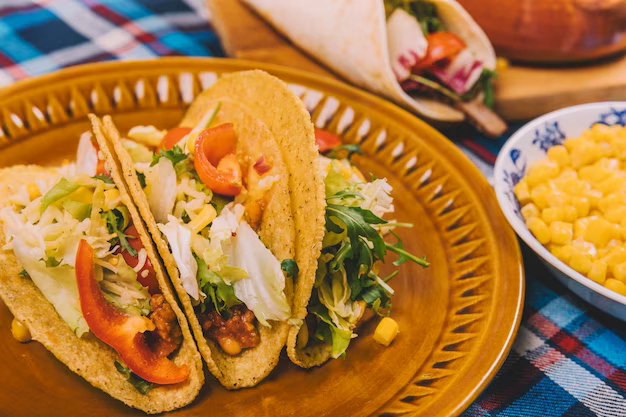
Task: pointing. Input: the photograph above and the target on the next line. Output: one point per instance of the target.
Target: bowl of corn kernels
(561, 182)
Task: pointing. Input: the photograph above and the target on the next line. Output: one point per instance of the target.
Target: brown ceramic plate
(458, 318)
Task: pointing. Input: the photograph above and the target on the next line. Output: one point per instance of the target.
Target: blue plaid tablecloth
(569, 359)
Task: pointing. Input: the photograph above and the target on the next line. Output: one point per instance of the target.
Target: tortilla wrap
(88, 356)
(350, 36)
(263, 117)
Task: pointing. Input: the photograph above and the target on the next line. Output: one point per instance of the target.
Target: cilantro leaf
(140, 384)
(116, 222)
(344, 151)
(290, 267)
(175, 155)
(105, 179)
(24, 273)
(142, 179)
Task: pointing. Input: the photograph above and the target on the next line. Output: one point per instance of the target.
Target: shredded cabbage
(179, 238)
(137, 151)
(263, 290)
(161, 189)
(86, 156)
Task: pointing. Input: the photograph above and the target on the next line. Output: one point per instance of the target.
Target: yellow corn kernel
(593, 173)
(555, 250)
(82, 194)
(568, 174)
(559, 155)
(565, 253)
(502, 64)
(206, 216)
(521, 192)
(33, 191)
(530, 210)
(598, 232)
(552, 214)
(539, 195)
(572, 143)
(386, 331)
(582, 205)
(598, 272)
(570, 214)
(612, 201)
(580, 226)
(615, 256)
(574, 186)
(619, 271)
(561, 233)
(19, 331)
(538, 228)
(616, 286)
(581, 262)
(111, 197)
(619, 147)
(611, 184)
(541, 172)
(594, 197)
(557, 199)
(584, 154)
(602, 133)
(616, 214)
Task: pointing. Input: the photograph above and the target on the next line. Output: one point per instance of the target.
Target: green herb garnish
(290, 267)
(142, 179)
(117, 220)
(140, 384)
(344, 151)
(175, 155)
(103, 178)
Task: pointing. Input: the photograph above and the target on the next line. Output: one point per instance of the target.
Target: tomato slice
(215, 161)
(122, 332)
(325, 140)
(100, 170)
(441, 45)
(149, 280)
(172, 137)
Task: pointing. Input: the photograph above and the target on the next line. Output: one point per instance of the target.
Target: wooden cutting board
(521, 92)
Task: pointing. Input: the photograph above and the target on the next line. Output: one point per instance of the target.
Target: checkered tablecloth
(569, 359)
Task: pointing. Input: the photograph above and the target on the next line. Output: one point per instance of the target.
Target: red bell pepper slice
(172, 137)
(215, 161)
(149, 280)
(441, 45)
(122, 332)
(325, 140)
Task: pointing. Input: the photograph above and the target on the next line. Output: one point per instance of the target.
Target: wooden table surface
(521, 92)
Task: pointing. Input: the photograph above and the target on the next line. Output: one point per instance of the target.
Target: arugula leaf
(357, 222)
(290, 267)
(116, 222)
(62, 189)
(403, 255)
(140, 384)
(142, 179)
(105, 179)
(344, 151)
(175, 155)
(24, 273)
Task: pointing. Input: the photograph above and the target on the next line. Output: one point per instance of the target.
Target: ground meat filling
(233, 330)
(167, 336)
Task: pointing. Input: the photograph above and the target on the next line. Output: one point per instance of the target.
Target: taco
(429, 56)
(216, 196)
(81, 273)
(346, 282)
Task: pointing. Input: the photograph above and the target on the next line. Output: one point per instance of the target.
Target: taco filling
(429, 60)
(347, 280)
(76, 240)
(208, 202)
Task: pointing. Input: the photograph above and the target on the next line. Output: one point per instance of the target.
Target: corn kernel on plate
(561, 183)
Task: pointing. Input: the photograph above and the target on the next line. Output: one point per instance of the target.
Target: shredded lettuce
(263, 290)
(121, 288)
(179, 238)
(161, 189)
(79, 210)
(137, 151)
(219, 293)
(62, 189)
(57, 284)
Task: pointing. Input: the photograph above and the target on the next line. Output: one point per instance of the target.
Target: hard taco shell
(87, 356)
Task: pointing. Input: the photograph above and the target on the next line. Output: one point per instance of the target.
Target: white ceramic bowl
(529, 144)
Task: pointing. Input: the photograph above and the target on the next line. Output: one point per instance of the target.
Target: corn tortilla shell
(270, 100)
(276, 231)
(87, 356)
